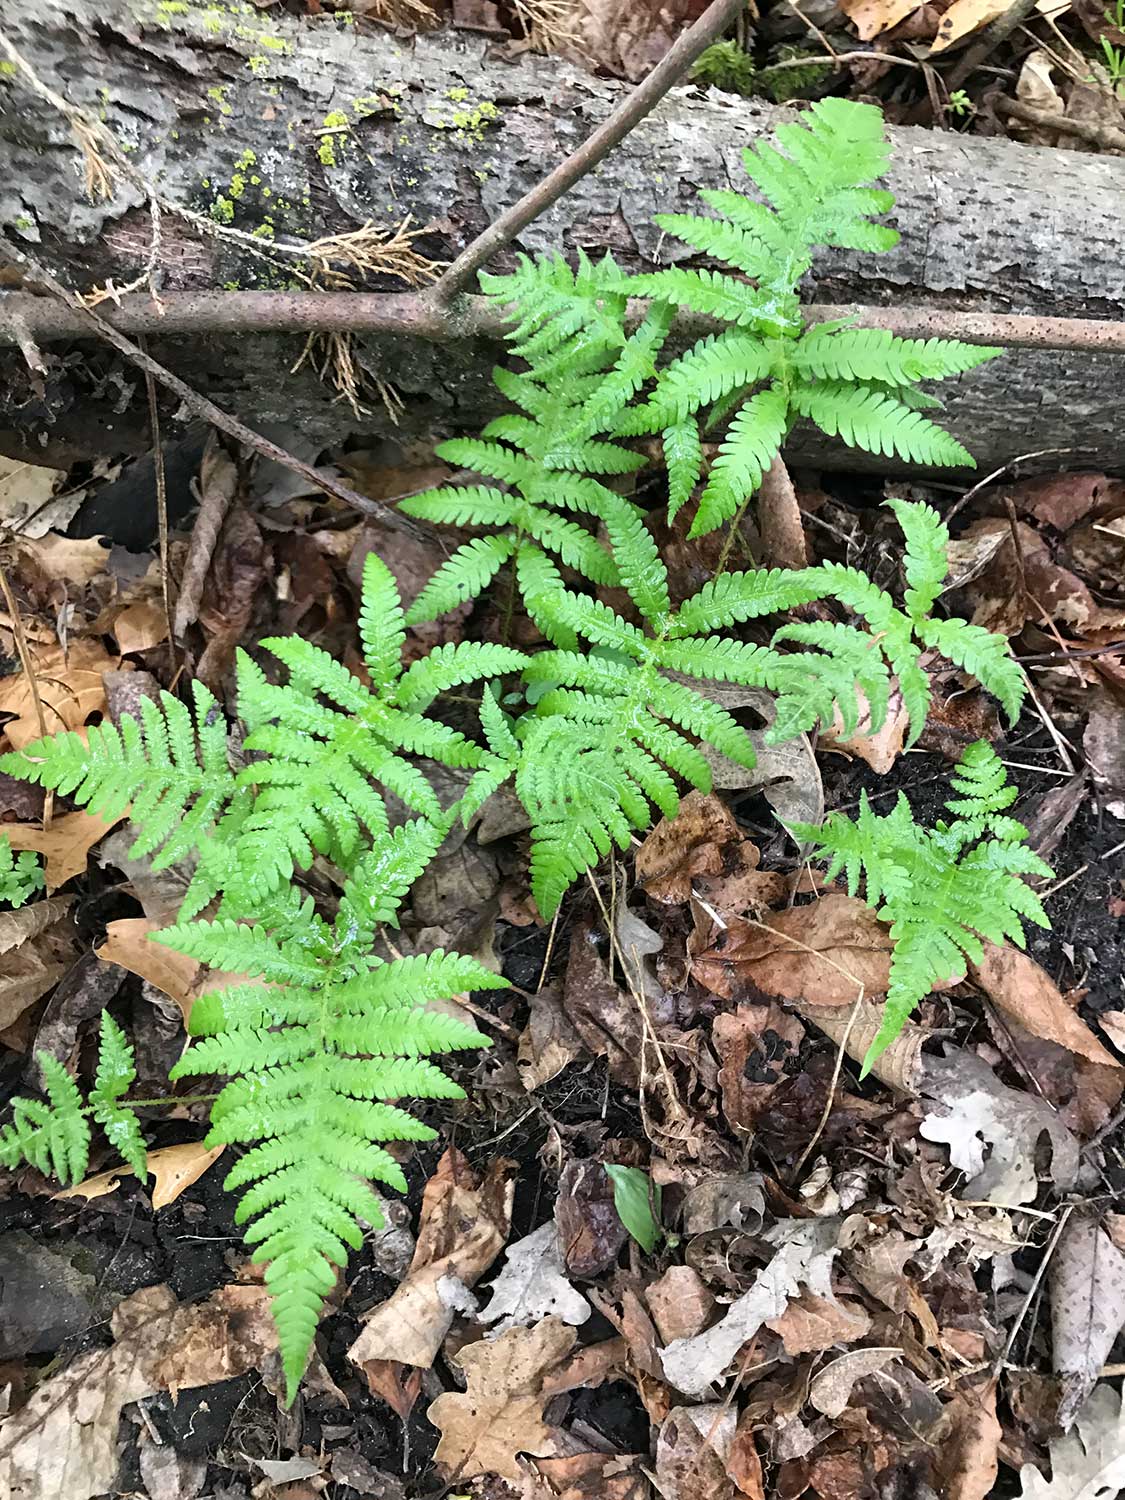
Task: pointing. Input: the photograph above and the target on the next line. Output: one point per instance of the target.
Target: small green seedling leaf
(637, 1201)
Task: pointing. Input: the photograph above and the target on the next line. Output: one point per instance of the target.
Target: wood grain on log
(227, 108)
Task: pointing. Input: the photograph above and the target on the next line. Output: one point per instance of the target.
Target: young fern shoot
(943, 890)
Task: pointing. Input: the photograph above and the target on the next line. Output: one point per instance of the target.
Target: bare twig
(96, 323)
(218, 482)
(1052, 1245)
(1106, 136)
(630, 112)
(161, 512)
(416, 315)
(28, 666)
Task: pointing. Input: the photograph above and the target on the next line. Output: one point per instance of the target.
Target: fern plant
(54, 1136)
(941, 889)
(763, 372)
(21, 875)
(313, 1051)
(320, 750)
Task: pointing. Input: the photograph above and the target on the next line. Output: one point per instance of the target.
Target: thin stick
(29, 672)
(197, 403)
(1052, 1245)
(161, 510)
(1106, 136)
(416, 315)
(831, 1100)
(629, 113)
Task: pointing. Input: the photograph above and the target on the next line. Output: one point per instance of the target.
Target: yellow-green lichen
(7, 69)
(222, 210)
(218, 94)
(468, 123)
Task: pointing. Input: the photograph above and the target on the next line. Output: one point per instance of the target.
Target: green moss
(726, 66)
(791, 83)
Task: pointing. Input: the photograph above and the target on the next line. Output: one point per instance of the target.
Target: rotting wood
(988, 225)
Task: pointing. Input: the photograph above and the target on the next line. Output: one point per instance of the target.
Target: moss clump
(781, 84)
(725, 66)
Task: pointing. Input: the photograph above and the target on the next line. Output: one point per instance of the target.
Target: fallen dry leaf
(1089, 1462)
(1112, 1023)
(851, 954)
(532, 1285)
(70, 691)
(969, 1459)
(464, 1224)
(399, 1385)
(549, 1041)
(64, 1441)
(1087, 1282)
(140, 626)
(583, 1476)
(880, 748)
(500, 1413)
(64, 845)
(127, 942)
(175, 1168)
(964, 17)
(680, 1302)
(872, 17)
(703, 851)
(806, 1250)
(27, 922)
(625, 38)
(29, 500)
(591, 1233)
(831, 1387)
(973, 1111)
(898, 1067)
(810, 1324)
(691, 1451)
(754, 1043)
(1019, 987)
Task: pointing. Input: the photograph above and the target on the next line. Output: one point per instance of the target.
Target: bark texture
(236, 113)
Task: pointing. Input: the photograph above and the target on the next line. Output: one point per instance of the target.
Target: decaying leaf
(702, 851)
(127, 942)
(533, 1285)
(1023, 990)
(680, 1303)
(549, 1041)
(899, 1067)
(64, 1441)
(27, 922)
(851, 954)
(978, 1117)
(691, 1451)
(591, 1233)
(1089, 1462)
(757, 1045)
(872, 17)
(70, 691)
(1087, 1282)
(464, 1224)
(969, 1459)
(879, 748)
(175, 1168)
(964, 17)
(500, 1413)
(806, 1250)
(811, 1324)
(831, 1387)
(64, 845)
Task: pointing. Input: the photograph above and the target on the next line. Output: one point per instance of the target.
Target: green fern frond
(734, 597)
(463, 576)
(866, 417)
(382, 628)
(169, 770)
(713, 294)
(926, 563)
(53, 1136)
(21, 875)
(738, 246)
(983, 653)
(712, 369)
(750, 446)
(453, 666)
(683, 459)
(309, 1061)
(940, 896)
(556, 303)
(637, 559)
(470, 505)
(874, 354)
(116, 1073)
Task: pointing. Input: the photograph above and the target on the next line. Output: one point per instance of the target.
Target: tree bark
(235, 113)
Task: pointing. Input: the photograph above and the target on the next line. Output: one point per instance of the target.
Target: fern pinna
(942, 889)
(762, 372)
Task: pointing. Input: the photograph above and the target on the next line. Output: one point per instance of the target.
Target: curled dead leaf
(127, 942)
(64, 845)
(174, 1169)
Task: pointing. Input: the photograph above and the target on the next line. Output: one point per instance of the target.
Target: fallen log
(288, 129)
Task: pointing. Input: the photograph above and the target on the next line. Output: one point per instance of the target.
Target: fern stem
(732, 532)
(170, 1099)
